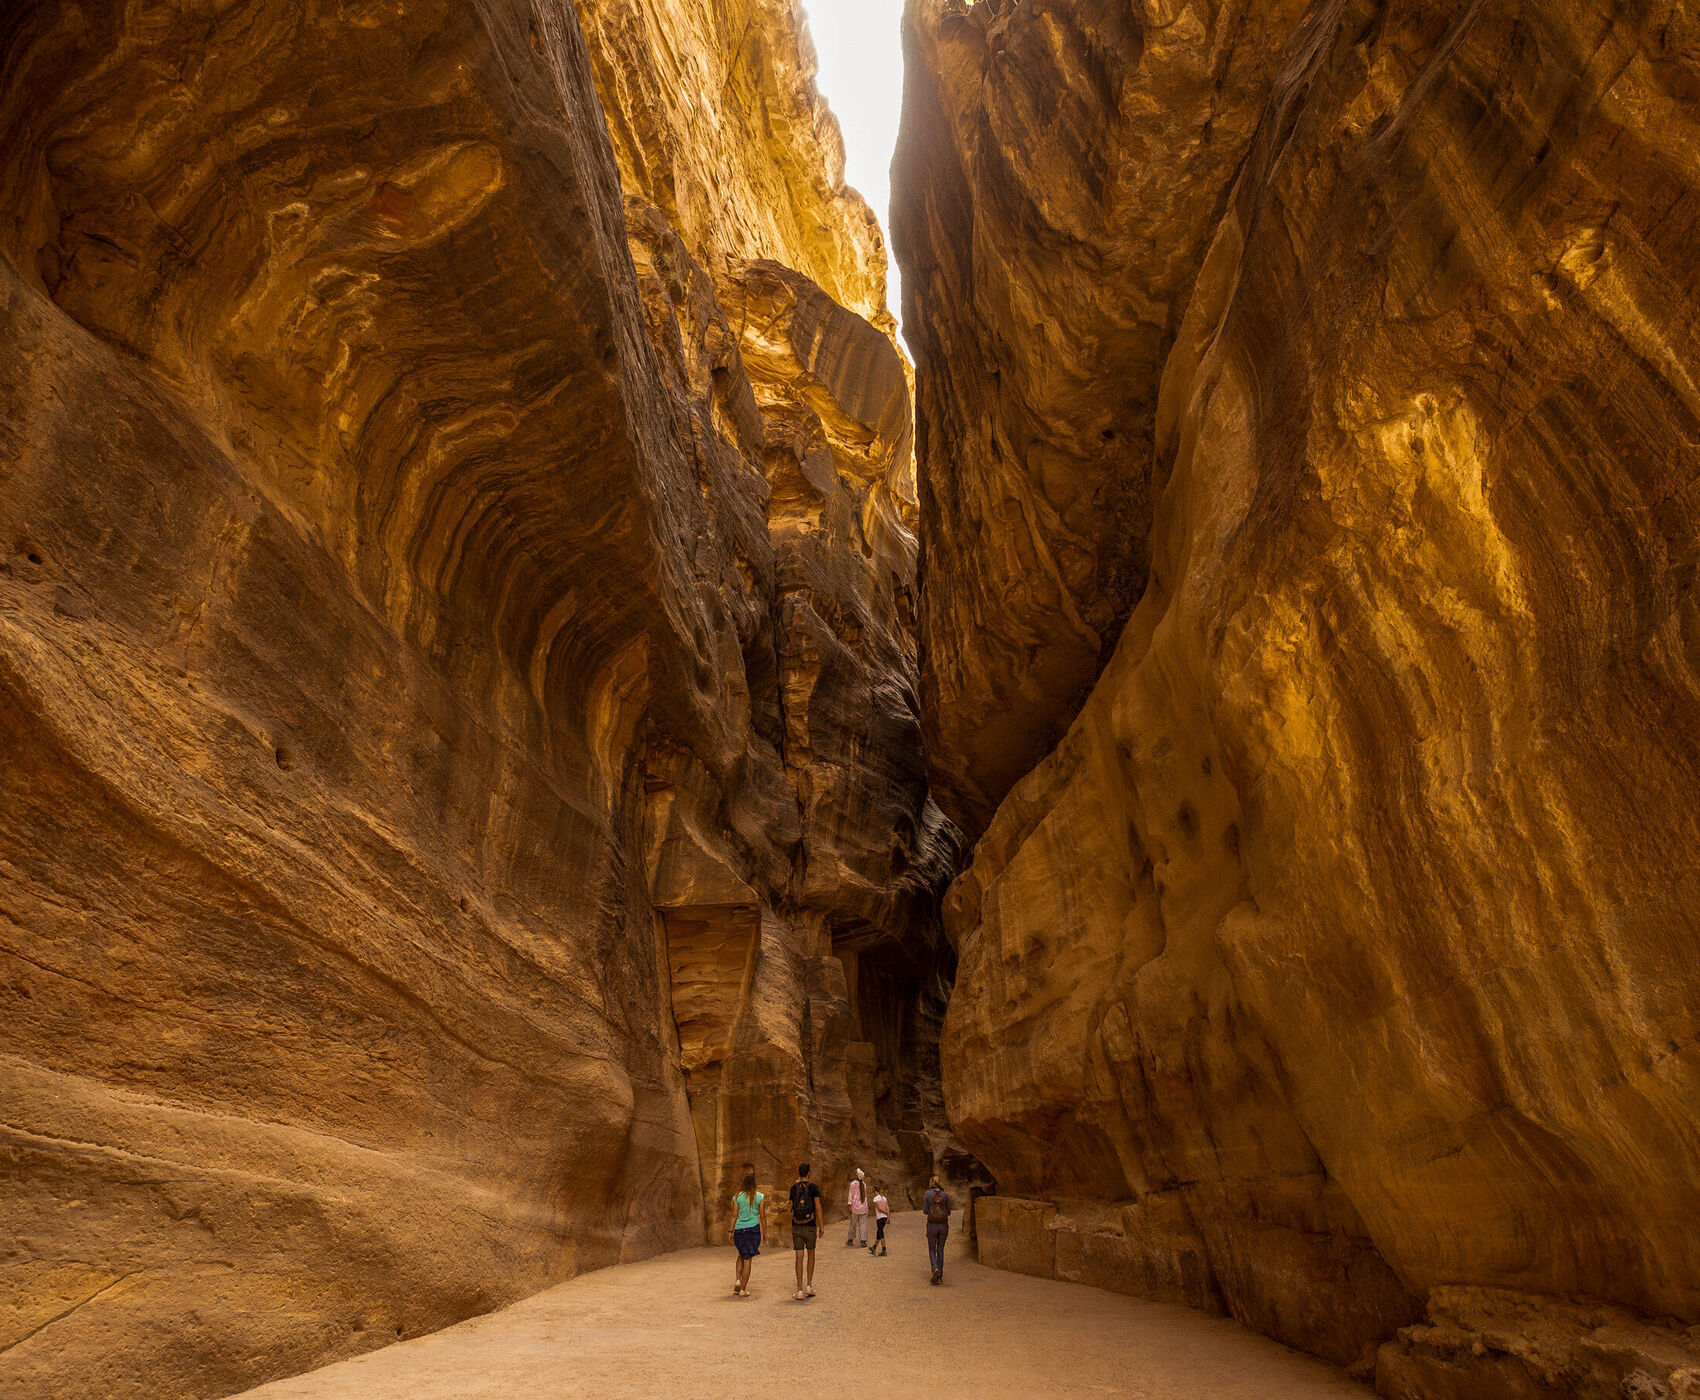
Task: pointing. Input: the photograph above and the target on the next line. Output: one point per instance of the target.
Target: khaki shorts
(803, 1236)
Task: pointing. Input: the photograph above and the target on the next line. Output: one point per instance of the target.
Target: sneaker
(810, 1290)
(798, 1294)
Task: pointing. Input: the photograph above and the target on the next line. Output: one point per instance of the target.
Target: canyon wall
(1059, 172)
(460, 785)
(1335, 968)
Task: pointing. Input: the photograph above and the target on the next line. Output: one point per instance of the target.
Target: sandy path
(877, 1330)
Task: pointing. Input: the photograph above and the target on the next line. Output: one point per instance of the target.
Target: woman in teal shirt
(748, 1230)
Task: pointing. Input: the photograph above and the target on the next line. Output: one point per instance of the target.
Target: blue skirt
(748, 1241)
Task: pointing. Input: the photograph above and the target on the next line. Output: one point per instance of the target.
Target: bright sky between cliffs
(861, 77)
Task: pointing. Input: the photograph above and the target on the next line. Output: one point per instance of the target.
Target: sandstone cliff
(1335, 968)
(715, 120)
(1059, 176)
(460, 788)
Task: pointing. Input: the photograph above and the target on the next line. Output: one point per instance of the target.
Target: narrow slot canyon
(527, 692)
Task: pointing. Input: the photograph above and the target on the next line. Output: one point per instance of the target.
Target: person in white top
(858, 1209)
(882, 1213)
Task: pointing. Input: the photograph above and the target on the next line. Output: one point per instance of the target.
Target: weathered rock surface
(1063, 167)
(460, 788)
(787, 1053)
(715, 120)
(1344, 941)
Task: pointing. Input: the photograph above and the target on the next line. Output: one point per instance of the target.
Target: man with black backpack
(936, 1205)
(805, 1227)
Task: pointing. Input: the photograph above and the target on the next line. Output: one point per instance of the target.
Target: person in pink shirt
(858, 1209)
(882, 1213)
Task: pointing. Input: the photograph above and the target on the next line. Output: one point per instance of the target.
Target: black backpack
(803, 1203)
(938, 1208)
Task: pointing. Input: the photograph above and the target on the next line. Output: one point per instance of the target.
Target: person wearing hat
(936, 1204)
(858, 1210)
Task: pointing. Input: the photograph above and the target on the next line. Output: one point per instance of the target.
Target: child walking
(882, 1212)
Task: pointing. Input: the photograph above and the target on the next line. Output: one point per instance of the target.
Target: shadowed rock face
(1064, 164)
(460, 785)
(1335, 967)
(789, 1058)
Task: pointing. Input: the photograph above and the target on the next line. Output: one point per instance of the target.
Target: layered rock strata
(460, 789)
(1062, 168)
(1333, 968)
(715, 120)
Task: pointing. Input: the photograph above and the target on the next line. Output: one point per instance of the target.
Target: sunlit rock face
(460, 785)
(1062, 166)
(763, 279)
(715, 120)
(1336, 966)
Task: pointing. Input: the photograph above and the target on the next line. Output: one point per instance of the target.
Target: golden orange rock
(1059, 175)
(1334, 967)
(715, 120)
(460, 784)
